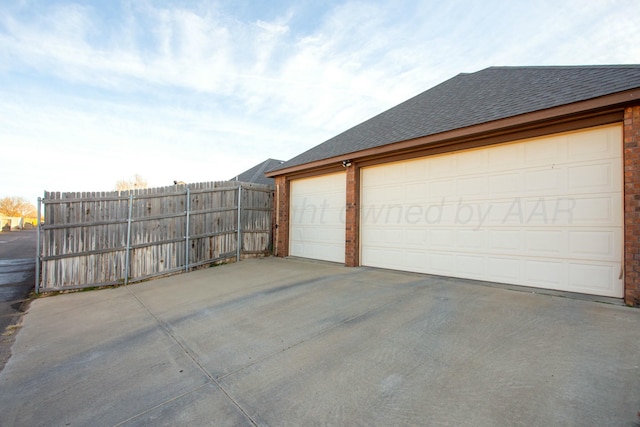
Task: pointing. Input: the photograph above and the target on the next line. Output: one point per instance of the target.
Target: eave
(592, 112)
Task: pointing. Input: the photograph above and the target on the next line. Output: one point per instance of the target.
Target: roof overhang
(592, 112)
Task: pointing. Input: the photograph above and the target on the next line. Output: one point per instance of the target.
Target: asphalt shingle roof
(475, 98)
(256, 173)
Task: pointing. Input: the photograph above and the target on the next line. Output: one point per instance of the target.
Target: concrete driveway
(289, 342)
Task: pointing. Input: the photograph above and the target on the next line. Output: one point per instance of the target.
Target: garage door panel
(595, 177)
(600, 210)
(545, 242)
(598, 144)
(418, 238)
(416, 171)
(415, 191)
(296, 234)
(442, 238)
(396, 178)
(470, 266)
(472, 186)
(549, 273)
(505, 212)
(505, 157)
(441, 166)
(333, 201)
(308, 215)
(325, 252)
(373, 235)
(592, 278)
(379, 257)
(525, 213)
(392, 237)
(505, 240)
(539, 212)
(455, 213)
(414, 259)
(391, 193)
(296, 247)
(544, 180)
(442, 263)
(596, 244)
(322, 234)
(471, 239)
(471, 161)
(546, 151)
(436, 190)
(507, 270)
(317, 250)
(395, 258)
(505, 184)
(317, 217)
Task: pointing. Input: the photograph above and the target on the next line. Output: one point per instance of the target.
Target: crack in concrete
(160, 405)
(191, 355)
(364, 314)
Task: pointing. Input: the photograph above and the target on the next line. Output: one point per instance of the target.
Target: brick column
(352, 226)
(281, 206)
(632, 206)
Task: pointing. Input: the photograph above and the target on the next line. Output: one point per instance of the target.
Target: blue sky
(92, 92)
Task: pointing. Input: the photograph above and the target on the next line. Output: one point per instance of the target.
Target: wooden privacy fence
(99, 239)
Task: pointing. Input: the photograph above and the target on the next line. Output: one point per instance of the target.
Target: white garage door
(317, 217)
(544, 212)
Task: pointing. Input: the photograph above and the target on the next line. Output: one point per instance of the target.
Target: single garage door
(544, 212)
(317, 217)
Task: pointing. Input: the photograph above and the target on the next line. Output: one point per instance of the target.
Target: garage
(317, 221)
(544, 212)
(518, 175)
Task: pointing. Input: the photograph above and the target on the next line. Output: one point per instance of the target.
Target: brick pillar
(632, 206)
(352, 226)
(274, 221)
(281, 205)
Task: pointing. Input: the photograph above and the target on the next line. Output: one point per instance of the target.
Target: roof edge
(540, 117)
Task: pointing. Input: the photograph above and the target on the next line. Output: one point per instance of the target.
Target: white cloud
(205, 94)
(272, 27)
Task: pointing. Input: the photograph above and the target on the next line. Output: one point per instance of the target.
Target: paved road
(17, 275)
(288, 342)
(18, 244)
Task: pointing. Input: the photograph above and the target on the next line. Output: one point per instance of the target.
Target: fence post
(186, 239)
(38, 257)
(239, 238)
(127, 255)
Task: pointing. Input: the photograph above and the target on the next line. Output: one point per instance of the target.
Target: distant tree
(134, 183)
(17, 206)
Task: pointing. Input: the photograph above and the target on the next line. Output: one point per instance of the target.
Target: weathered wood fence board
(97, 239)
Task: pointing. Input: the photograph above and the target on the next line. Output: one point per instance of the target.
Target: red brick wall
(352, 227)
(632, 205)
(281, 203)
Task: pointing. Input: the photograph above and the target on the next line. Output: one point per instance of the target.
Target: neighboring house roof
(475, 98)
(256, 173)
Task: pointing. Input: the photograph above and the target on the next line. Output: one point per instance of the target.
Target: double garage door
(544, 212)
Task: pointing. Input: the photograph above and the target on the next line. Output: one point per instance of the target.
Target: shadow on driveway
(291, 342)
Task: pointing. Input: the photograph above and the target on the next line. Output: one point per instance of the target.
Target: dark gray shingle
(256, 173)
(475, 98)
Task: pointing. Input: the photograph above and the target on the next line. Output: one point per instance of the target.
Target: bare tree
(134, 183)
(17, 207)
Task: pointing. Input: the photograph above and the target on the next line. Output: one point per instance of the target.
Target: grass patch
(10, 330)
